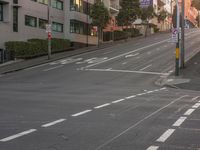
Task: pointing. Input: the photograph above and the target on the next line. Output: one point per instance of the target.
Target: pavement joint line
(139, 122)
(165, 135)
(117, 101)
(53, 123)
(189, 112)
(153, 148)
(196, 106)
(81, 113)
(101, 106)
(18, 135)
(179, 121)
(53, 68)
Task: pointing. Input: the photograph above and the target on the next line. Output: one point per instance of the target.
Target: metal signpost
(48, 29)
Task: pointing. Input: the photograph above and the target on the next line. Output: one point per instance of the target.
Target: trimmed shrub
(132, 32)
(35, 47)
(120, 35)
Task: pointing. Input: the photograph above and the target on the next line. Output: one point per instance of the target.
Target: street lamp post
(177, 70)
(49, 29)
(183, 35)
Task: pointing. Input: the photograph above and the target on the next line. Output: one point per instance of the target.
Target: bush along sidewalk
(35, 47)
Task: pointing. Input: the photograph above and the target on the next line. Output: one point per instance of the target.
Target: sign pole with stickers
(177, 69)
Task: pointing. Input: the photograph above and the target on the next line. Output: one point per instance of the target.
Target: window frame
(56, 24)
(35, 18)
(56, 2)
(39, 23)
(1, 12)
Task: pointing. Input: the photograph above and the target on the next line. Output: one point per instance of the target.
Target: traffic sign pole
(48, 28)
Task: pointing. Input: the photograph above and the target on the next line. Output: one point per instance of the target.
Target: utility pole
(177, 69)
(183, 35)
(49, 29)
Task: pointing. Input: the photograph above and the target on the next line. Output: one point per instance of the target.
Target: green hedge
(35, 47)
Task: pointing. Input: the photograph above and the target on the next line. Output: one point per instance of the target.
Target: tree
(196, 4)
(147, 13)
(100, 16)
(162, 16)
(128, 13)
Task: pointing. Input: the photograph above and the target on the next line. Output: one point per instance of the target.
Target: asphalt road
(102, 100)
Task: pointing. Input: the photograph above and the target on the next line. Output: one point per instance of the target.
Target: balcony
(114, 8)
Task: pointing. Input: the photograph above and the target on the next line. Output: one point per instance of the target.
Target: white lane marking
(179, 121)
(17, 135)
(81, 113)
(153, 148)
(34, 67)
(117, 101)
(189, 112)
(124, 54)
(109, 69)
(195, 98)
(165, 135)
(129, 97)
(128, 71)
(131, 55)
(124, 63)
(139, 122)
(101, 106)
(56, 67)
(145, 67)
(141, 94)
(149, 92)
(163, 88)
(53, 123)
(196, 105)
(107, 52)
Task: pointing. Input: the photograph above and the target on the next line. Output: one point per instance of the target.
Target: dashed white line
(150, 92)
(117, 101)
(163, 88)
(196, 105)
(141, 94)
(53, 123)
(145, 67)
(129, 97)
(17, 135)
(153, 148)
(189, 112)
(81, 113)
(195, 98)
(165, 135)
(53, 68)
(179, 121)
(101, 106)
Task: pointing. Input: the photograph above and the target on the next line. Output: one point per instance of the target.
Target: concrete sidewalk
(189, 76)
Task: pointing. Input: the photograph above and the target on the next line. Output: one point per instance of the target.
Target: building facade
(26, 19)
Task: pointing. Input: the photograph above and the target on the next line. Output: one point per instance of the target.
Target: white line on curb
(165, 135)
(179, 121)
(53, 123)
(81, 113)
(18, 135)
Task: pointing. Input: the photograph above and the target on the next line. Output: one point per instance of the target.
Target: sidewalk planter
(35, 47)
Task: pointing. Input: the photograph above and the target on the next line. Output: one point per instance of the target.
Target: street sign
(174, 35)
(48, 28)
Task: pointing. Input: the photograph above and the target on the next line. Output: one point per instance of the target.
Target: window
(30, 21)
(57, 27)
(15, 1)
(80, 6)
(1, 12)
(15, 19)
(34, 0)
(57, 4)
(80, 27)
(43, 1)
(42, 23)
